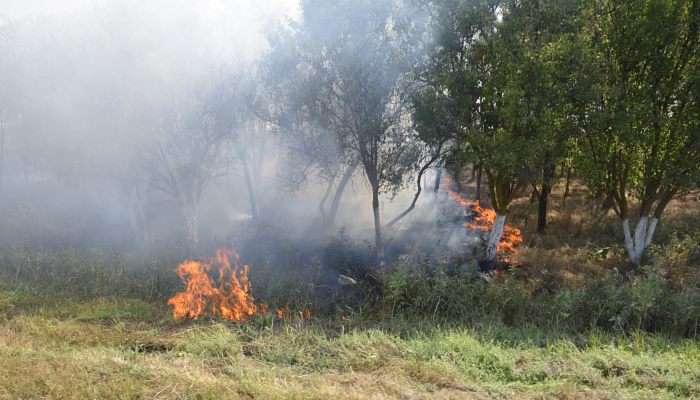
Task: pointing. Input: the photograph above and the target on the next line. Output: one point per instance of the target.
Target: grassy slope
(126, 349)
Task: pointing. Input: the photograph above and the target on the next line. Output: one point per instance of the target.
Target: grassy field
(568, 323)
(120, 348)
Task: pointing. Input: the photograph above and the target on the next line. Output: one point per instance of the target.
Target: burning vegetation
(482, 219)
(230, 297)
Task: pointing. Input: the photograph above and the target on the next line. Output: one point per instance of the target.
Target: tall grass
(647, 302)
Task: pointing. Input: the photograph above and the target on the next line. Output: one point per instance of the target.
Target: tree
(541, 64)
(477, 66)
(357, 68)
(232, 106)
(645, 143)
(290, 104)
(186, 154)
(431, 115)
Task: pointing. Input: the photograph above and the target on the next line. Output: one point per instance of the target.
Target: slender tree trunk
(542, 208)
(495, 237)
(378, 242)
(335, 204)
(438, 177)
(650, 232)
(566, 188)
(321, 203)
(192, 224)
(137, 217)
(478, 185)
(249, 187)
(547, 176)
(608, 203)
(419, 187)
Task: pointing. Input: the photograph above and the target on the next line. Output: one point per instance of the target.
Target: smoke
(110, 137)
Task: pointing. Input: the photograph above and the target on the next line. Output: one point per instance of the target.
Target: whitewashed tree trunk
(643, 234)
(495, 237)
(650, 231)
(629, 242)
(639, 238)
(192, 223)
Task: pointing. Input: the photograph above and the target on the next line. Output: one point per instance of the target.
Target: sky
(21, 8)
(227, 31)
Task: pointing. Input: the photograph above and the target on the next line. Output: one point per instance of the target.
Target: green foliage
(641, 137)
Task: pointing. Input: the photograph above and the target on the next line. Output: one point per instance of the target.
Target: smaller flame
(483, 219)
(283, 312)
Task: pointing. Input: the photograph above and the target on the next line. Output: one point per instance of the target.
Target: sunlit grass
(125, 349)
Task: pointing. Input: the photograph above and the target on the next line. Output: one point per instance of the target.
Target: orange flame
(483, 220)
(284, 312)
(232, 298)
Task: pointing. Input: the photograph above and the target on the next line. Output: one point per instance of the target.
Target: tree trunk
(629, 242)
(378, 242)
(650, 232)
(137, 217)
(643, 234)
(438, 177)
(249, 187)
(547, 176)
(335, 204)
(608, 203)
(419, 187)
(566, 188)
(191, 221)
(321, 203)
(542, 209)
(495, 237)
(478, 185)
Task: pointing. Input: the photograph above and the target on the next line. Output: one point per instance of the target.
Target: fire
(283, 312)
(483, 219)
(231, 297)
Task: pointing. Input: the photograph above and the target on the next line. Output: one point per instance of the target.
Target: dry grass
(583, 243)
(77, 352)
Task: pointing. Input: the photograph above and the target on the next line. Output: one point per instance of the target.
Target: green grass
(121, 348)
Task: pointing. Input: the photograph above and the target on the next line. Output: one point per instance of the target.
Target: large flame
(482, 219)
(231, 298)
